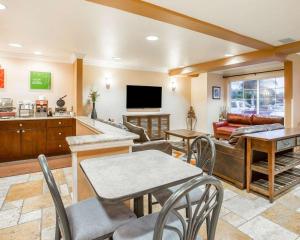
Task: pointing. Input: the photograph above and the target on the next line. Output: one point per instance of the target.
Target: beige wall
(207, 109)
(296, 87)
(17, 80)
(112, 102)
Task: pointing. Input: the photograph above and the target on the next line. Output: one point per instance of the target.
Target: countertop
(107, 133)
(34, 118)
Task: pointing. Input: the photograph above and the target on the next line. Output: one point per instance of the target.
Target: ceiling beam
(268, 55)
(158, 13)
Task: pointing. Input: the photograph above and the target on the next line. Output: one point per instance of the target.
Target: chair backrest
(207, 209)
(203, 150)
(59, 206)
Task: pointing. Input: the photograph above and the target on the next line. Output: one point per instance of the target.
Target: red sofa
(225, 128)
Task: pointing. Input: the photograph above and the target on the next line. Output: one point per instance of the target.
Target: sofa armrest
(160, 145)
(220, 124)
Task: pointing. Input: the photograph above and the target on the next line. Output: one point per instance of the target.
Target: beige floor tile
(31, 216)
(9, 218)
(225, 231)
(234, 219)
(290, 201)
(284, 216)
(36, 176)
(260, 228)
(1, 201)
(26, 231)
(8, 181)
(48, 217)
(228, 194)
(224, 211)
(59, 176)
(3, 191)
(38, 202)
(24, 190)
(14, 204)
(42, 201)
(48, 233)
(64, 190)
(247, 208)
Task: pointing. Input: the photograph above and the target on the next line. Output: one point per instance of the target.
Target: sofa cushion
(239, 118)
(237, 125)
(235, 136)
(260, 119)
(226, 130)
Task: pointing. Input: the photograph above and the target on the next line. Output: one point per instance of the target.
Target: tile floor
(27, 212)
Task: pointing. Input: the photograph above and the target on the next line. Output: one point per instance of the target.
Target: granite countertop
(34, 118)
(107, 133)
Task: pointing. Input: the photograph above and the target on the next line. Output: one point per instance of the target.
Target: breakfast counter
(94, 139)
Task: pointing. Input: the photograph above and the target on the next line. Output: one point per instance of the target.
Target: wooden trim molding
(288, 93)
(268, 55)
(165, 15)
(78, 86)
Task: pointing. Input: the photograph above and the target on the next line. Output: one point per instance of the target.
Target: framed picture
(40, 80)
(216, 92)
(1, 78)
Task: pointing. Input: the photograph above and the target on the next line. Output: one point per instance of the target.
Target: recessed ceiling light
(2, 7)
(229, 55)
(37, 53)
(16, 45)
(152, 38)
(116, 58)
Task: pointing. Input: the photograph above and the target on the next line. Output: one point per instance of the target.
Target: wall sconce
(107, 82)
(173, 84)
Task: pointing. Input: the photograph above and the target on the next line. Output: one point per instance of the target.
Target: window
(264, 97)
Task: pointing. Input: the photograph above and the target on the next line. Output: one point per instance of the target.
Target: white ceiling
(265, 20)
(60, 28)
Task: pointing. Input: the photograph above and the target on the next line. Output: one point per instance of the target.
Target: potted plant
(93, 96)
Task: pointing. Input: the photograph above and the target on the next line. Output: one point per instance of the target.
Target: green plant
(94, 95)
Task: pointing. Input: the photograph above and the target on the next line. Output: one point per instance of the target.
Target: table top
(275, 135)
(184, 133)
(131, 175)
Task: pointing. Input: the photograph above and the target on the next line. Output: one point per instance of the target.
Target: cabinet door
(33, 143)
(10, 145)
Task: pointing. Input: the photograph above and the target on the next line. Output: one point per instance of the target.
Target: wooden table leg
(248, 164)
(188, 146)
(271, 165)
(138, 207)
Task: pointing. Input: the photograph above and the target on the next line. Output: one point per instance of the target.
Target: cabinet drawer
(286, 144)
(57, 147)
(25, 124)
(298, 141)
(59, 133)
(60, 122)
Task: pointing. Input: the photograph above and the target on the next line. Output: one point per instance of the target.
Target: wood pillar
(288, 92)
(78, 83)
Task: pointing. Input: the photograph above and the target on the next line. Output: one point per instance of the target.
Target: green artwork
(40, 80)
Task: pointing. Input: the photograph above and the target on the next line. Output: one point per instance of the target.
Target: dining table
(122, 177)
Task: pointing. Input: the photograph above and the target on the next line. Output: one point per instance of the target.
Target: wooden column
(78, 83)
(288, 92)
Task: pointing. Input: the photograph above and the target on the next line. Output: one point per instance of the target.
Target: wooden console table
(272, 162)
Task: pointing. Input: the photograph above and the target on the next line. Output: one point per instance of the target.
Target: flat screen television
(143, 97)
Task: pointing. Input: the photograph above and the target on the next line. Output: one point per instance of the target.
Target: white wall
(17, 80)
(112, 102)
(207, 109)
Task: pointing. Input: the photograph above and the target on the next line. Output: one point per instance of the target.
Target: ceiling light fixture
(152, 38)
(229, 55)
(16, 45)
(37, 53)
(2, 7)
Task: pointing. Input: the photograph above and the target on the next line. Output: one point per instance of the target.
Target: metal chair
(169, 224)
(204, 152)
(86, 220)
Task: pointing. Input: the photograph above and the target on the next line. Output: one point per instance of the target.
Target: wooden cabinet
(155, 124)
(27, 139)
(10, 145)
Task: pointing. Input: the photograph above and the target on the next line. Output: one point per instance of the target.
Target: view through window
(264, 97)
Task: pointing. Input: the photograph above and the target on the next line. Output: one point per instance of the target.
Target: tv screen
(143, 97)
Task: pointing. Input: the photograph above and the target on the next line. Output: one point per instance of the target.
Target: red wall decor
(1, 78)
